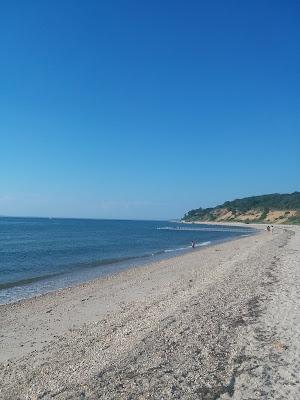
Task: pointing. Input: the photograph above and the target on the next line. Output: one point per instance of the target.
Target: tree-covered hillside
(276, 208)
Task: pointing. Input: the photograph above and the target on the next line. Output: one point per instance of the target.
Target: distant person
(193, 244)
(268, 228)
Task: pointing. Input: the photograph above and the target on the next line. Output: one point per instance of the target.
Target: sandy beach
(222, 322)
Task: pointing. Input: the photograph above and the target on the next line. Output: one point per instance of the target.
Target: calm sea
(38, 255)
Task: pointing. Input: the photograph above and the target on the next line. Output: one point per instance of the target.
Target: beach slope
(220, 322)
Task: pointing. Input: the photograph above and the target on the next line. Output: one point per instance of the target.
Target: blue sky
(130, 109)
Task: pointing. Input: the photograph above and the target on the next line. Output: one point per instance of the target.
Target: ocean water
(38, 255)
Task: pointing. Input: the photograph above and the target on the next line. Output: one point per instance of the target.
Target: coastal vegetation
(269, 208)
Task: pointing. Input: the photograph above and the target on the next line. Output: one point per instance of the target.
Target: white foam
(208, 229)
(203, 244)
(188, 247)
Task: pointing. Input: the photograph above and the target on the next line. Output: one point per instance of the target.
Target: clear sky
(134, 109)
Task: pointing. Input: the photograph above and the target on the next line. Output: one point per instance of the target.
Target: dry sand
(221, 322)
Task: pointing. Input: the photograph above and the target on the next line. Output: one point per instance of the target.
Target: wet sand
(220, 322)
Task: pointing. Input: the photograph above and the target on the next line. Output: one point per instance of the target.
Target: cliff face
(272, 208)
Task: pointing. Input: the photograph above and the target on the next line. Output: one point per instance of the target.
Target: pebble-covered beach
(220, 322)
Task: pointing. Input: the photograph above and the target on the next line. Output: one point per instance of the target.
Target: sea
(39, 255)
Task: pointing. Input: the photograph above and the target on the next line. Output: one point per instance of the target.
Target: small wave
(208, 229)
(26, 281)
(203, 243)
(187, 247)
(178, 249)
(68, 269)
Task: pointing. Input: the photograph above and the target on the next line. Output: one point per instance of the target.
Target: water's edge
(115, 268)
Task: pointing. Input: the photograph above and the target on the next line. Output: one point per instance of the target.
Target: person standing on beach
(193, 244)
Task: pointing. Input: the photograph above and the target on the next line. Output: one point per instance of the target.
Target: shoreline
(172, 322)
(146, 263)
(46, 300)
(111, 270)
